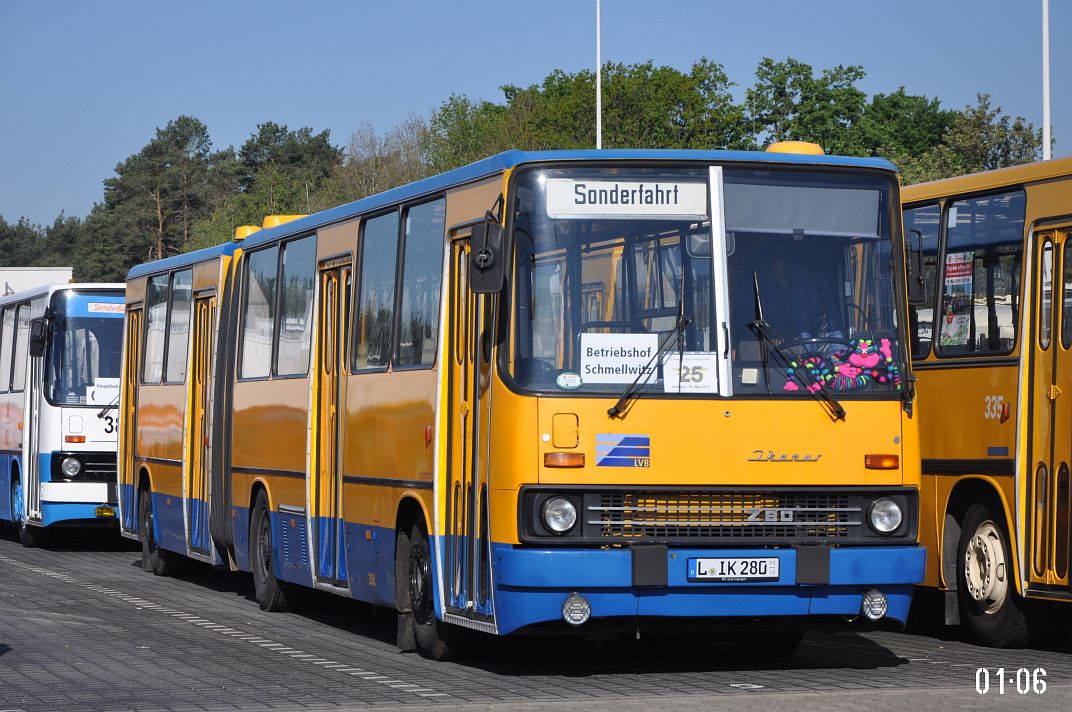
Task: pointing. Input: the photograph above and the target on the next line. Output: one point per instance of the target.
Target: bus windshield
(82, 366)
(614, 263)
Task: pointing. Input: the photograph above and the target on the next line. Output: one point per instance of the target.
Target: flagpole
(1045, 80)
(599, 86)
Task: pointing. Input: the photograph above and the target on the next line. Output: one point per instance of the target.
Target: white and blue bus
(60, 354)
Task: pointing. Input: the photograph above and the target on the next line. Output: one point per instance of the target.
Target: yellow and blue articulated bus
(546, 392)
(60, 351)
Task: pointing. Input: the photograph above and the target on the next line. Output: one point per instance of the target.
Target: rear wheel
(153, 558)
(989, 605)
(270, 592)
(435, 639)
(769, 645)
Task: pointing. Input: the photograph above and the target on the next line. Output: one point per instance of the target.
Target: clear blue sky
(85, 84)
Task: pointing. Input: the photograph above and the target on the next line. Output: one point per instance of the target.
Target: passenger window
(22, 334)
(979, 308)
(926, 219)
(155, 326)
(1066, 299)
(376, 300)
(1046, 295)
(296, 318)
(7, 340)
(422, 274)
(179, 326)
(258, 321)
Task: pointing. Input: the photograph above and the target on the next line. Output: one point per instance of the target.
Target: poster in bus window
(957, 299)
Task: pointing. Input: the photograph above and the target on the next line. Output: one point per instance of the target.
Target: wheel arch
(971, 490)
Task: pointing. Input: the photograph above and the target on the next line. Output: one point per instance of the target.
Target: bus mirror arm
(917, 285)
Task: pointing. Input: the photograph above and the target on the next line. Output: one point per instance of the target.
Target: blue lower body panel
(531, 584)
(56, 512)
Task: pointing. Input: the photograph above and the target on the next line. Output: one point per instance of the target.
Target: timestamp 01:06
(1022, 680)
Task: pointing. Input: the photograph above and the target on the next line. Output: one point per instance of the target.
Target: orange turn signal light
(881, 462)
(74, 438)
(563, 459)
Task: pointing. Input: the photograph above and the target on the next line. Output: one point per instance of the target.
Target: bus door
(31, 434)
(326, 483)
(1051, 414)
(467, 560)
(128, 421)
(197, 474)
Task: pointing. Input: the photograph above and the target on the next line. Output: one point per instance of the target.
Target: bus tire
(28, 536)
(990, 609)
(435, 639)
(271, 593)
(768, 645)
(153, 558)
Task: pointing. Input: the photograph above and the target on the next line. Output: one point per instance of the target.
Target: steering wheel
(814, 345)
(536, 370)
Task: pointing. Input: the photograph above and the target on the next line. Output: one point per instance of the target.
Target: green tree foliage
(178, 194)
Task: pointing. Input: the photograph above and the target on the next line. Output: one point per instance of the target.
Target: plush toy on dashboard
(846, 369)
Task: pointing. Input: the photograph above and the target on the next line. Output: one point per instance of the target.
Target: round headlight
(70, 466)
(559, 514)
(885, 516)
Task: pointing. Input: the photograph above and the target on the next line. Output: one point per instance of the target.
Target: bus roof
(988, 180)
(183, 260)
(510, 159)
(45, 289)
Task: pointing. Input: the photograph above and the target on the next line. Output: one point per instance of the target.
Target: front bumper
(531, 584)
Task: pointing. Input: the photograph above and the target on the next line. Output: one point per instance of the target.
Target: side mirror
(917, 284)
(487, 258)
(38, 336)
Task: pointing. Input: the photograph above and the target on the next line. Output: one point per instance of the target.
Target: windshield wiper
(763, 329)
(643, 379)
(111, 406)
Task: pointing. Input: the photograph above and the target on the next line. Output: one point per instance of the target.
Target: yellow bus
(991, 349)
(546, 392)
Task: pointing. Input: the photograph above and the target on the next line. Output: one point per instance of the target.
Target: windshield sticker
(690, 372)
(618, 358)
(847, 369)
(571, 199)
(623, 450)
(104, 391)
(957, 298)
(569, 380)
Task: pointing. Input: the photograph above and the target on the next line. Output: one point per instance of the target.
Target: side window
(179, 326)
(296, 308)
(422, 274)
(1066, 300)
(22, 334)
(258, 321)
(1046, 295)
(926, 219)
(376, 299)
(980, 289)
(7, 340)
(155, 325)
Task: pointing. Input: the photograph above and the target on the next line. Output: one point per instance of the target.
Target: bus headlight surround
(885, 515)
(559, 515)
(70, 467)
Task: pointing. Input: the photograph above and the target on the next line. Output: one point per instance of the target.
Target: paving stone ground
(82, 627)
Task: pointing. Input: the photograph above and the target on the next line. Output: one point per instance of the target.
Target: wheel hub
(985, 568)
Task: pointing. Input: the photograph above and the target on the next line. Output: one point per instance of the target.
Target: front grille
(721, 515)
(96, 466)
(705, 516)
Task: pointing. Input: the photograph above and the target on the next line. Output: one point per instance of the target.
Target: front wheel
(989, 605)
(28, 536)
(435, 639)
